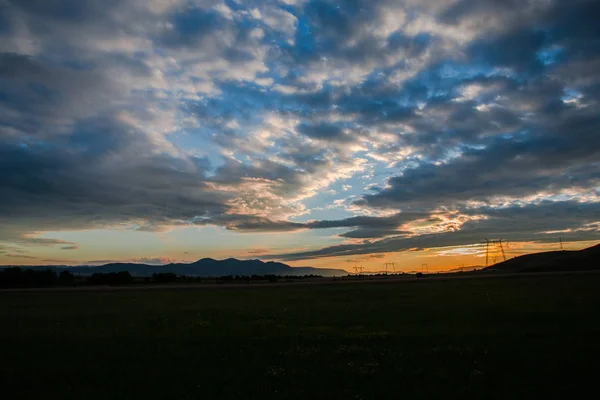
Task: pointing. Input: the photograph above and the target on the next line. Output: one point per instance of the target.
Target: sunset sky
(316, 133)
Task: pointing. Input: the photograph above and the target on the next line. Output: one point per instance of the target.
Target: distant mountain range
(581, 260)
(207, 267)
(466, 269)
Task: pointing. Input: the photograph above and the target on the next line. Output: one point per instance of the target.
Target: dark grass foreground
(497, 338)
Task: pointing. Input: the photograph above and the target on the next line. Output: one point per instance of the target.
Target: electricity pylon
(390, 265)
(496, 244)
(502, 249)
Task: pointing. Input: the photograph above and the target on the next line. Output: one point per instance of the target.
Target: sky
(316, 133)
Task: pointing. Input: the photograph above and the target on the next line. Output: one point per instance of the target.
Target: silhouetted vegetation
(66, 277)
(261, 278)
(112, 278)
(17, 277)
(164, 277)
(14, 277)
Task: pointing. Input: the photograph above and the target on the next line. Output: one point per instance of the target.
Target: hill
(206, 267)
(580, 260)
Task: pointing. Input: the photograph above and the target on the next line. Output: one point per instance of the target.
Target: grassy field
(497, 338)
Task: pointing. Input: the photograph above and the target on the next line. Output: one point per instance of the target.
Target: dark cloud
(368, 221)
(515, 223)
(484, 10)
(41, 97)
(67, 10)
(193, 25)
(522, 55)
(19, 256)
(515, 166)
(369, 233)
(98, 180)
(324, 131)
(56, 261)
(141, 260)
(245, 223)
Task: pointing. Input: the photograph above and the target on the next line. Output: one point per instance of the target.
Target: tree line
(16, 277)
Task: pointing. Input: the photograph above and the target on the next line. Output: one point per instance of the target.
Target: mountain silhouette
(207, 267)
(564, 260)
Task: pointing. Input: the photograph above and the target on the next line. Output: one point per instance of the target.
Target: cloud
(140, 260)
(95, 180)
(324, 131)
(524, 45)
(19, 256)
(438, 117)
(57, 261)
(514, 223)
(513, 166)
(264, 225)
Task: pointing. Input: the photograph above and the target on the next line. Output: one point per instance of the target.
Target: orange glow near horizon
(436, 259)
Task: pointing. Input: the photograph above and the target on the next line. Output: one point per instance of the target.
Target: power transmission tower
(561, 245)
(424, 268)
(390, 265)
(496, 244)
(502, 249)
(358, 270)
